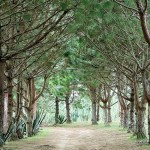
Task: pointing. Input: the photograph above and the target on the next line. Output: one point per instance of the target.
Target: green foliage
(20, 129)
(74, 116)
(78, 104)
(40, 115)
(5, 137)
(61, 119)
(64, 5)
(61, 84)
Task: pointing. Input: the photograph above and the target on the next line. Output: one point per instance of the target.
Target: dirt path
(79, 138)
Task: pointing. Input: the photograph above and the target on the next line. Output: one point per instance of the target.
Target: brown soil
(79, 138)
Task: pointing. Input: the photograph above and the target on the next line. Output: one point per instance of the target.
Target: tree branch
(119, 3)
(36, 98)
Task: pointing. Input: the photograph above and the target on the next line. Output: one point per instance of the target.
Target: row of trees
(32, 37)
(105, 43)
(128, 54)
(112, 50)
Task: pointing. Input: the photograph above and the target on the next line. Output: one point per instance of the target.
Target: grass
(113, 126)
(143, 142)
(43, 132)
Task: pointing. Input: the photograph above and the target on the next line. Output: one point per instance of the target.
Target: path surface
(79, 138)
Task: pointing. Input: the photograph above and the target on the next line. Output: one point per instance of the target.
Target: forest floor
(78, 137)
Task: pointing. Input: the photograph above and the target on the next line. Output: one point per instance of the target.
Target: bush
(5, 137)
(40, 115)
(61, 119)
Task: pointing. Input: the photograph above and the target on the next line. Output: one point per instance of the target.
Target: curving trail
(79, 138)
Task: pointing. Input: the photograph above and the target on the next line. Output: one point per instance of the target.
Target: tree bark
(2, 67)
(131, 128)
(57, 109)
(109, 112)
(125, 118)
(149, 123)
(93, 102)
(98, 107)
(67, 109)
(10, 97)
(121, 116)
(94, 119)
(131, 124)
(30, 112)
(28, 105)
(19, 100)
(105, 114)
(5, 118)
(140, 129)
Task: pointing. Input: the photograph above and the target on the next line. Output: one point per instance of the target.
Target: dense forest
(70, 60)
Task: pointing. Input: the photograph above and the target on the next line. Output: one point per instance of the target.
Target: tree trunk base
(107, 125)
(94, 123)
(14, 137)
(140, 135)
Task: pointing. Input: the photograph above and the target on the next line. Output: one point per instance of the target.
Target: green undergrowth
(47, 130)
(142, 142)
(13, 145)
(134, 138)
(112, 126)
(43, 132)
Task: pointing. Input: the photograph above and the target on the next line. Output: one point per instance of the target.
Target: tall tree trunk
(140, 112)
(19, 101)
(15, 136)
(94, 101)
(140, 120)
(98, 96)
(10, 99)
(67, 109)
(1, 99)
(146, 90)
(125, 118)
(5, 121)
(105, 114)
(94, 119)
(98, 107)
(131, 128)
(28, 104)
(57, 109)
(149, 123)
(2, 66)
(29, 124)
(34, 107)
(30, 111)
(31, 98)
(121, 116)
(109, 112)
